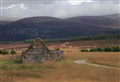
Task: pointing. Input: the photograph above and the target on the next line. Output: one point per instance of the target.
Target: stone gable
(38, 51)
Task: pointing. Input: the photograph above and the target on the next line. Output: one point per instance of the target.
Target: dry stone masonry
(38, 52)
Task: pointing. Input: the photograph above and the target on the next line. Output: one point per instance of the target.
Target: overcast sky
(58, 8)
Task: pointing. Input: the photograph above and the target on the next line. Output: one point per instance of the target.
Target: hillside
(51, 27)
(108, 21)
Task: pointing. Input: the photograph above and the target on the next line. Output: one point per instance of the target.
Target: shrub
(1, 52)
(56, 49)
(100, 49)
(113, 49)
(116, 49)
(4, 52)
(84, 50)
(107, 49)
(13, 52)
(93, 50)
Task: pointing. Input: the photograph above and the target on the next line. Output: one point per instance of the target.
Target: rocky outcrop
(38, 52)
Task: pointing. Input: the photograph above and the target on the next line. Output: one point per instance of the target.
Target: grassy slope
(64, 70)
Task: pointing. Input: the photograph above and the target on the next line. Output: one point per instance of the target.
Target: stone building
(38, 51)
(56, 54)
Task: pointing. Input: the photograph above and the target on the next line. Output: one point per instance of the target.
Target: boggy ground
(64, 70)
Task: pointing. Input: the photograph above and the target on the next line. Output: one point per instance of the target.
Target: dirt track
(93, 64)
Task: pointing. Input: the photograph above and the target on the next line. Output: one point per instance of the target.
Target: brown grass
(106, 58)
(65, 70)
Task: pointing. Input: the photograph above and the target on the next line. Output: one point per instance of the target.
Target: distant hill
(114, 16)
(39, 19)
(108, 21)
(51, 27)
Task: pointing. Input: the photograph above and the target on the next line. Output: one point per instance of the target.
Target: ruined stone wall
(38, 51)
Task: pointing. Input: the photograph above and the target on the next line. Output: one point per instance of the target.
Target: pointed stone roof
(36, 52)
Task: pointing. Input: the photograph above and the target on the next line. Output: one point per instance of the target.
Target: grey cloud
(60, 9)
(106, 0)
(56, 0)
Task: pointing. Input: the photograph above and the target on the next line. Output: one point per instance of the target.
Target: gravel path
(92, 64)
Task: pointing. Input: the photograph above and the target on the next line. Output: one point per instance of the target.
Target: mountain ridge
(51, 27)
